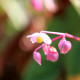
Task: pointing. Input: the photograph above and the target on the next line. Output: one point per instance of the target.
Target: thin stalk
(57, 38)
(56, 33)
(39, 48)
(71, 36)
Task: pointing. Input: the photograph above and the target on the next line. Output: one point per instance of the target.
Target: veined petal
(64, 46)
(46, 38)
(37, 57)
(52, 55)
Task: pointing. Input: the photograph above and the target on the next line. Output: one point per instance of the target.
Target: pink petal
(46, 38)
(33, 37)
(37, 4)
(37, 57)
(64, 46)
(45, 49)
(52, 55)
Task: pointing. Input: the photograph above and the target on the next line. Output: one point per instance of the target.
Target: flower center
(39, 39)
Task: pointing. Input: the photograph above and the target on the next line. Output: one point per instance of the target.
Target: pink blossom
(37, 4)
(37, 57)
(64, 46)
(39, 38)
(52, 54)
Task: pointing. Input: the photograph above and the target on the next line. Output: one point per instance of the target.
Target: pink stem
(57, 38)
(56, 33)
(39, 48)
(62, 34)
(71, 36)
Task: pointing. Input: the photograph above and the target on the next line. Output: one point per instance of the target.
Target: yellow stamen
(39, 39)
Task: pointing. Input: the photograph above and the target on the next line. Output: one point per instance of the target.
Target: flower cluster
(50, 51)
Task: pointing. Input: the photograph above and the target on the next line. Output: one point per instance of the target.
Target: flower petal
(37, 57)
(33, 37)
(64, 46)
(45, 49)
(52, 55)
(34, 34)
(46, 38)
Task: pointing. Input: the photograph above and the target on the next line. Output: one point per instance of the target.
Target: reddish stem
(39, 47)
(71, 36)
(56, 38)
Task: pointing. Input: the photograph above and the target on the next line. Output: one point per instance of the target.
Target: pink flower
(64, 46)
(37, 4)
(52, 54)
(39, 38)
(37, 57)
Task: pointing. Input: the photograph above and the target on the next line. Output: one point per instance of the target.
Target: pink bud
(45, 49)
(64, 46)
(37, 57)
(37, 4)
(52, 54)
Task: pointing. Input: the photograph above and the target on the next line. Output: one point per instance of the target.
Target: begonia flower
(64, 46)
(37, 57)
(52, 54)
(39, 38)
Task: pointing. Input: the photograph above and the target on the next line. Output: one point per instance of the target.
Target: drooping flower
(64, 45)
(52, 54)
(39, 38)
(37, 57)
(37, 4)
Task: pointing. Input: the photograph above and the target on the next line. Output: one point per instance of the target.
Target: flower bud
(52, 54)
(45, 49)
(64, 46)
(37, 57)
